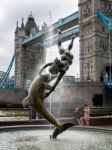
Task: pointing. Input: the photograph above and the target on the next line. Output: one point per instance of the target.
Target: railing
(30, 38)
(13, 114)
(66, 20)
(70, 18)
(8, 88)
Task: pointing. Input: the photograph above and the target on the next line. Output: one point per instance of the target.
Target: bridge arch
(106, 73)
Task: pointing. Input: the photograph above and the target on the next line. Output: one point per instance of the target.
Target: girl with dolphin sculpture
(36, 93)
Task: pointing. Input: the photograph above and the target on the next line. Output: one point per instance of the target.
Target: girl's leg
(87, 122)
(81, 120)
(79, 123)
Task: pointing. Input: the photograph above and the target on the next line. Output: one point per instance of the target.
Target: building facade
(28, 58)
(94, 41)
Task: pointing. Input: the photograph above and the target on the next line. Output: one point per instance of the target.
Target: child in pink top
(86, 114)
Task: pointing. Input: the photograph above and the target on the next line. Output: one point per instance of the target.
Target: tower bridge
(50, 41)
(45, 38)
(63, 24)
(85, 23)
(94, 30)
(31, 44)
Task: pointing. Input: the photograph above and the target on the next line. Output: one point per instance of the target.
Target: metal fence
(13, 114)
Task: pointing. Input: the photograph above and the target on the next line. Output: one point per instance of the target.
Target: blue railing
(107, 22)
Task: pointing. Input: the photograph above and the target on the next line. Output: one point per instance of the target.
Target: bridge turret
(94, 45)
(30, 25)
(22, 24)
(17, 28)
(44, 27)
(28, 57)
(19, 35)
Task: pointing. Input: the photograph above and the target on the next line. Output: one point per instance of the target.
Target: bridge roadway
(68, 25)
(66, 35)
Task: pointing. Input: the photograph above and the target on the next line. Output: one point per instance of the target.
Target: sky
(12, 11)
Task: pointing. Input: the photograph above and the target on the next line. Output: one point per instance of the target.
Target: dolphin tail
(64, 127)
(26, 101)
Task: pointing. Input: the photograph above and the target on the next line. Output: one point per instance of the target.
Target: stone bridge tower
(28, 57)
(94, 40)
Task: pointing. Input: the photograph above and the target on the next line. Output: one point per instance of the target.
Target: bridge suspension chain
(7, 72)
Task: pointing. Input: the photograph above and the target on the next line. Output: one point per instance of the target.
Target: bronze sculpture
(60, 66)
(36, 93)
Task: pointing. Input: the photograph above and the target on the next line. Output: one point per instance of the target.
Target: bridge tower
(94, 40)
(27, 57)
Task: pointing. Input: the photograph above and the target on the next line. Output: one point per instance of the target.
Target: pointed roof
(16, 30)
(22, 24)
(30, 24)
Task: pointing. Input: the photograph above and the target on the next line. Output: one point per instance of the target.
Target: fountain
(38, 139)
(40, 84)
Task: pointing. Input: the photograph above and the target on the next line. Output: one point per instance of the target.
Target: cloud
(12, 11)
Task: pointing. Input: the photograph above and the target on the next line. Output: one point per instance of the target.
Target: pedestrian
(86, 114)
(78, 115)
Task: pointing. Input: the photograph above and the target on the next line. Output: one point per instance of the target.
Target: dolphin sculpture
(60, 66)
(35, 97)
(37, 89)
(36, 100)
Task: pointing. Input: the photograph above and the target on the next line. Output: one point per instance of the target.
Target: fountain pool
(72, 139)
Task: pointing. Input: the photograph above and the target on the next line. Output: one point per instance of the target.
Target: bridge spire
(31, 16)
(22, 24)
(17, 27)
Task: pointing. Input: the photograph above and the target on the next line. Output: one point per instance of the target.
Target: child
(86, 114)
(78, 115)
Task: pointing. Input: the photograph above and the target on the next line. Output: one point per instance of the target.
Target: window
(103, 29)
(85, 70)
(91, 69)
(28, 68)
(88, 65)
(88, 48)
(32, 56)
